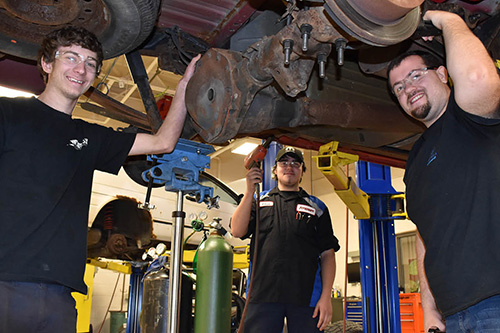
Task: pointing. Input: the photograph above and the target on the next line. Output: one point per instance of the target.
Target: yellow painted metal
(240, 256)
(84, 302)
(120, 267)
(329, 162)
(402, 214)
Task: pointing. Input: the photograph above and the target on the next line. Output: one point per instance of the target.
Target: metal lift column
(378, 262)
(135, 299)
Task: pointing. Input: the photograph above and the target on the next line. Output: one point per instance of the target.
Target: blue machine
(378, 261)
(180, 169)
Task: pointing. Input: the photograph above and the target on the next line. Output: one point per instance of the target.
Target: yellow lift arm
(123, 267)
(240, 256)
(329, 162)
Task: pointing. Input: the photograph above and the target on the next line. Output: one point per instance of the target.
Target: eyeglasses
(411, 79)
(72, 58)
(293, 164)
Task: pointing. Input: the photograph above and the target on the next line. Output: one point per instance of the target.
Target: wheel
(120, 25)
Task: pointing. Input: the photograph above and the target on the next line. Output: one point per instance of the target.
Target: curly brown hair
(68, 36)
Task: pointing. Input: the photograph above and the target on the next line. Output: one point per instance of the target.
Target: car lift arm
(330, 162)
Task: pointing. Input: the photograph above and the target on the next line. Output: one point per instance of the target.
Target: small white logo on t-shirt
(78, 145)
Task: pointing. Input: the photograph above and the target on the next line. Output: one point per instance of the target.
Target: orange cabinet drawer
(412, 317)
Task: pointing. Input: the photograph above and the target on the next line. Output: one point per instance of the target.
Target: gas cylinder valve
(220, 228)
(216, 223)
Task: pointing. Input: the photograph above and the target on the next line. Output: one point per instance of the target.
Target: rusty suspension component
(226, 82)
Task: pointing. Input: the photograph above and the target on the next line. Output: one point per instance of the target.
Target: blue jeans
(483, 317)
(269, 318)
(36, 307)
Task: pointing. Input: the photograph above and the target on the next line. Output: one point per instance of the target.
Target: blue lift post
(135, 299)
(378, 261)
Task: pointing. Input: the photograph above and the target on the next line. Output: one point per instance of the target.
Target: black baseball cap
(294, 152)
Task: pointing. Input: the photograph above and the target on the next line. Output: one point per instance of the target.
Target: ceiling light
(7, 92)
(245, 148)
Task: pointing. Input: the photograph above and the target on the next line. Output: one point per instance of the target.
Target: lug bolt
(287, 46)
(305, 29)
(322, 64)
(340, 44)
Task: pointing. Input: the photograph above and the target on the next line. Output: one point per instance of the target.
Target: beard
(421, 112)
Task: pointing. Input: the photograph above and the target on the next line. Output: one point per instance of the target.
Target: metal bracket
(399, 211)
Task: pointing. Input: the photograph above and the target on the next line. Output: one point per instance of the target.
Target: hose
(241, 327)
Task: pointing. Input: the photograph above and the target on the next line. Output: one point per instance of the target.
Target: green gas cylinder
(214, 279)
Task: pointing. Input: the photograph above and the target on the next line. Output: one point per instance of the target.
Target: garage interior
(345, 101)
(110, 282)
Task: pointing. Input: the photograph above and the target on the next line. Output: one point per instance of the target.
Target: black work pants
(27, 307)
(269, 318)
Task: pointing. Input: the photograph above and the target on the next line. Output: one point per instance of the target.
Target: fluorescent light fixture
(245, 148)
(7, 92)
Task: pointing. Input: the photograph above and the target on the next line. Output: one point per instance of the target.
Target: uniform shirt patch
(266, 204)
(306, 209)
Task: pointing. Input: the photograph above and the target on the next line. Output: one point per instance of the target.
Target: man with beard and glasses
(453, 177)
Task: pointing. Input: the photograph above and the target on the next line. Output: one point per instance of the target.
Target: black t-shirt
(453, 192)
(47, 162)
(294, 229)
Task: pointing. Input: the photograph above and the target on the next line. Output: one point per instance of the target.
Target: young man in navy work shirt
(453, 177)
(47, 161)
(295, 264)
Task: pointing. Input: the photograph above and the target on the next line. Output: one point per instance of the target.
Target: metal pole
(174, 283)
(384, 273)
(376, 251)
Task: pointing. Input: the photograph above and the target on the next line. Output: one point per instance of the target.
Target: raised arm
(475, 77)
(432, 316)
(241, 216)
(166, 138)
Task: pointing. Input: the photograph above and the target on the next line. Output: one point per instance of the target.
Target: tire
(120, 25)
(338, 327)
(132, 21)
